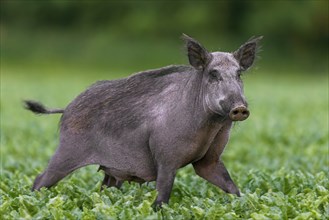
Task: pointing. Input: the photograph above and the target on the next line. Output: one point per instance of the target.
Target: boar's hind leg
(217, 174)
(48, 178)
(60, 165)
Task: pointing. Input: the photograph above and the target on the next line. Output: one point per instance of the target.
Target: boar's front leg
(164, 183)
(211, 168)
(217, 174)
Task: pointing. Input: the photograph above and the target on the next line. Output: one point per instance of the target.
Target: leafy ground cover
(278, 157)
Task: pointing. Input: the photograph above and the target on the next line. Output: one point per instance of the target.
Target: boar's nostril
(245, 112)
(239, 113)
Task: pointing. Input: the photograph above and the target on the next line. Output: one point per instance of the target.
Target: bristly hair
(35, 107)
(38, 108)
(252, 47)
(256, 39)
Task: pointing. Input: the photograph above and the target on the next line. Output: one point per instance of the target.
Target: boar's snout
(239, 113)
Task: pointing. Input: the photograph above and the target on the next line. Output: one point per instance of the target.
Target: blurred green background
(52, 50)
(129, 36)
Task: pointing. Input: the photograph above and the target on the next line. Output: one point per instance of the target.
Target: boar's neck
(194, 98)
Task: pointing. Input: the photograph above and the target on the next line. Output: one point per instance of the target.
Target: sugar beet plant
(278, 158)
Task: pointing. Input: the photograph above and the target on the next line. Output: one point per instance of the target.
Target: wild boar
(145, 127)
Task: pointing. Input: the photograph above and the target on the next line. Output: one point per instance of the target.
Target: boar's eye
(215, 75)
(239, 74)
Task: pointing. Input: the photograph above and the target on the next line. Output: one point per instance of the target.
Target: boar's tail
(38, 108)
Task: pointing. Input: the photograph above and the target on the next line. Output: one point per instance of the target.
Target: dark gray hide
(147, 126)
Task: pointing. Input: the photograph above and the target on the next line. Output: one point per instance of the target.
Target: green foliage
(278, 157)
(295, 32)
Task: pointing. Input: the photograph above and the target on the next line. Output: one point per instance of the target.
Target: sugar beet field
(278, 157)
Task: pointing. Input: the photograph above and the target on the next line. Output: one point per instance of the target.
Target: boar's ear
(246, 54)
(198, 56)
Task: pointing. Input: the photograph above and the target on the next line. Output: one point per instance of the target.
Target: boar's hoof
(232, 189)
(156, 206)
